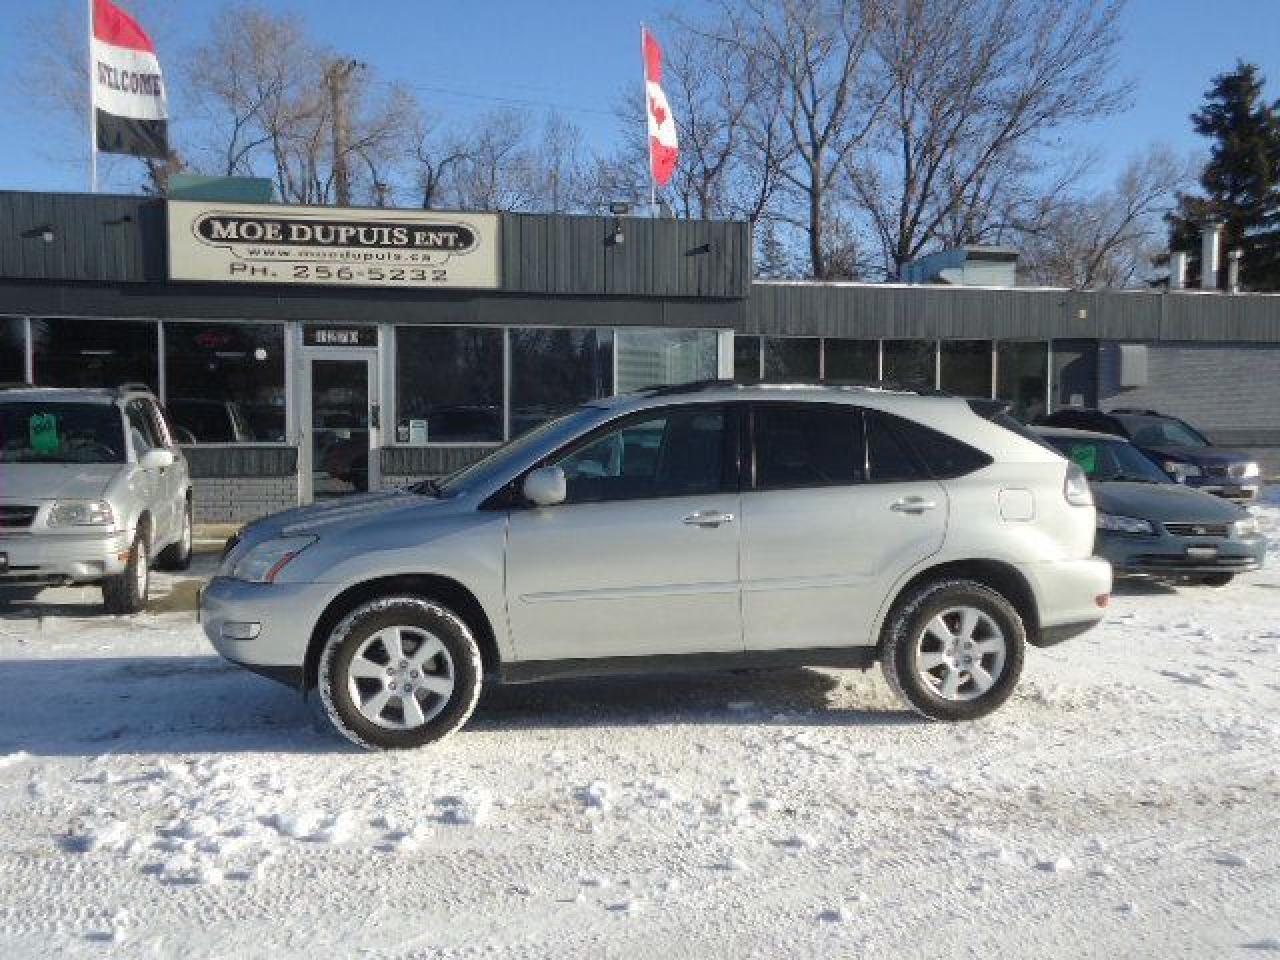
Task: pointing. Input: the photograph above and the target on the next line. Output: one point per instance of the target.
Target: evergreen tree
(1241, 181)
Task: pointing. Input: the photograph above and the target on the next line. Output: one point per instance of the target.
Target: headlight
(1180, 471)
(81, 513)
(1247, 527)
(262, 563)
(1107, 521)
(1250, 471)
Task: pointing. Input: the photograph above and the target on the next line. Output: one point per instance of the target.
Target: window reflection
(448, 385)
(555, 369)
(94, 352)
(225, 382)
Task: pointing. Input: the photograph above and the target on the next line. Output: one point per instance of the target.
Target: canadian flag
(663, 146)
(130, 110)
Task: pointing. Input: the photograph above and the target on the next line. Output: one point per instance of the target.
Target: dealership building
(310, 352)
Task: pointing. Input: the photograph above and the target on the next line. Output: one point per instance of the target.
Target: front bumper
(1169, 555)
(56, 558)
(264, 627)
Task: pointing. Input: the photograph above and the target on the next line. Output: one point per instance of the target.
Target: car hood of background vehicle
(32, 482)
(1163, 502)
(1215, 456)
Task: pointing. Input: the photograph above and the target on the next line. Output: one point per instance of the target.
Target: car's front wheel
(400, 672)
(954, 649)
(127, 592)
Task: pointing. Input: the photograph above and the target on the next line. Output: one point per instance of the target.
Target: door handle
(707, 518)
(912, 505)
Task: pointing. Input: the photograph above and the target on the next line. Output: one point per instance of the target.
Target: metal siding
(428, 461)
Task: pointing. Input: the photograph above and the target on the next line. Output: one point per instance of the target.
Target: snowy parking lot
(155, 801)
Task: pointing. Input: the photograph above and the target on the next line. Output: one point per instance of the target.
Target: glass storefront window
(746, 359)
(850, 361)
(650, 357)
(910, 363)
(225, 382)
(1022, 374)
(448, 385)
(1075, 373)
(555, 369)
(95, 352)
(13, 350)
(966, 367)
(791, 359)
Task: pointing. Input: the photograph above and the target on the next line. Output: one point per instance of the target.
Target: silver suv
(92, 490)
(710, 526)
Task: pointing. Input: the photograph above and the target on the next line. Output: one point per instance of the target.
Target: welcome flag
(129, 108)
(664, 149)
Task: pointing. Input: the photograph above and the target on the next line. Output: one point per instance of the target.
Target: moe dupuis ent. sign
(322, 245)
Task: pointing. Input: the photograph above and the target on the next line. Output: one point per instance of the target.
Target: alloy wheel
(960, 653)
(401, 677)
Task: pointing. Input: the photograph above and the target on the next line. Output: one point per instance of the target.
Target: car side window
(944, 456)
(141, 427)
(890, 458)
(807, 445)
(670, 454)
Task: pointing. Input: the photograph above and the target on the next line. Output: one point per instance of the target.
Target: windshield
(497, 464)
(61, 433)
(1107, 461)
(1160, 432)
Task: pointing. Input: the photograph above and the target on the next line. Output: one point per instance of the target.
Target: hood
(339, 516)
(33, 482)
(1200, 455)
(1164, 503)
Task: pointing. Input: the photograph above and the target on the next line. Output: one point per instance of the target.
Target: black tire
(127, 592)
(1217, 579)
(905, 636)
(177, 556)
(460, 658)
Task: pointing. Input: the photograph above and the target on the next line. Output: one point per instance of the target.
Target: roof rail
(1135, 410)
(696, 386)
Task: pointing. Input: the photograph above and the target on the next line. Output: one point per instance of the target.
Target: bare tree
(974, 88)
(816, 58)
(1109, 239)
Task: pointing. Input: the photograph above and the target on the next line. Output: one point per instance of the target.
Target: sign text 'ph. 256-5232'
(334, 246)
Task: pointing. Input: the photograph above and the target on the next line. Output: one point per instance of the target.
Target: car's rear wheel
(1217, 579)
(954, 649)
(400, 672)
(127, 592)
(177, 556)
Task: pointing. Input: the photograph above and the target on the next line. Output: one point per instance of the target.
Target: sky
(580, 55)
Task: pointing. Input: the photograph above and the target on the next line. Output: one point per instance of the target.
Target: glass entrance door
(341, 447)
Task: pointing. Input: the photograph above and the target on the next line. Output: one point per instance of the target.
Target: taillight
(1075, 488)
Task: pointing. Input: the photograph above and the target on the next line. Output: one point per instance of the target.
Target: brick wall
(239, 499)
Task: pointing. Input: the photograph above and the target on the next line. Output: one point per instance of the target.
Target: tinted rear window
(890, 458)
(944, 456)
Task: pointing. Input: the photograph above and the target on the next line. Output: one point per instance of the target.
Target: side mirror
(156, 459)
(546, 486)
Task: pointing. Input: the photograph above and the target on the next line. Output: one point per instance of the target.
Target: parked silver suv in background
(709, 526)
(93, 489)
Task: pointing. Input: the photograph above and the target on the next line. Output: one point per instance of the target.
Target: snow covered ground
(157, 802)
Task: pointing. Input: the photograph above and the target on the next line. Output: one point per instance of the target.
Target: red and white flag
(663, 147)
(130, 112)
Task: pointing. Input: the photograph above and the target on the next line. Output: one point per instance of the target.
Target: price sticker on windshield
(43, 431)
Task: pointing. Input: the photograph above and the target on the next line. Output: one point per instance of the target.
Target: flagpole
(648, 147)
(93, 123)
